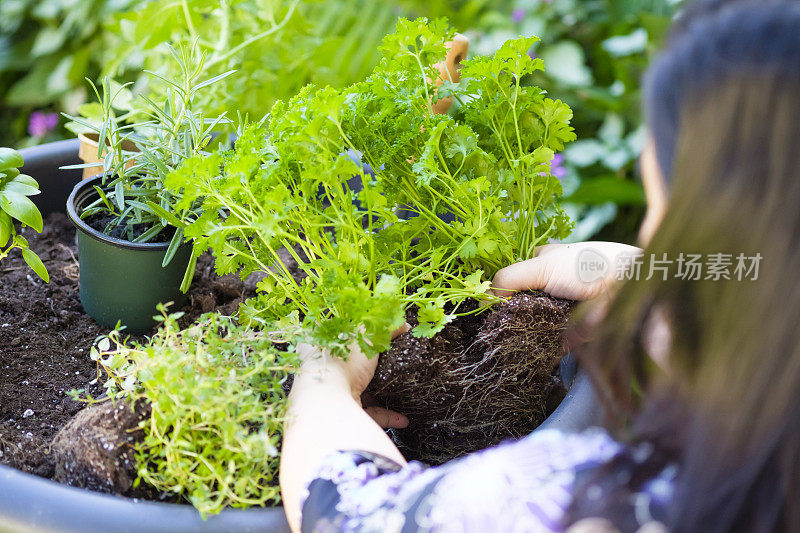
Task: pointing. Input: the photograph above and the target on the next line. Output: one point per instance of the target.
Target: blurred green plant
(276, 46)
(47, 47)
(596, 53)
(465, 14)
(217, 405)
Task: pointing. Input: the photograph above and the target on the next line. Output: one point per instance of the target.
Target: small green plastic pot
(123, 281)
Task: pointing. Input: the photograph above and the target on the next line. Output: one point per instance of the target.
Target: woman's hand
(579, 271)
(326, 415)
(352, 375)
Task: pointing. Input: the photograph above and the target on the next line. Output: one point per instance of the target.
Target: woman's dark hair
(723, 105)
(664, 97)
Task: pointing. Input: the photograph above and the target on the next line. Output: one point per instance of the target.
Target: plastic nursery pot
(123, 280)
(89, 146)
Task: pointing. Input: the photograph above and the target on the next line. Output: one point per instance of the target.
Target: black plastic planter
(42, 162)
(123, 280)
(29, 504)
(580, 409)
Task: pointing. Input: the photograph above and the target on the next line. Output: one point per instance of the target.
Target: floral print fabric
(526, 485)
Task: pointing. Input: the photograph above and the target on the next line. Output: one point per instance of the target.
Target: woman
(708, 438)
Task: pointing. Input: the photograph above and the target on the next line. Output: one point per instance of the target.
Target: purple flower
(557, 168)
(518, 14)
(41, 123)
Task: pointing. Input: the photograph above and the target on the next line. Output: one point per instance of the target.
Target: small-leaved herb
(217, 406)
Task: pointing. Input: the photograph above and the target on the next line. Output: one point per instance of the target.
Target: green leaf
(9, 173)
(26, 180)
(469, 249)
(156, 160)
(566, 63)
(48, 40)
(166, 215)
(6, 228)
(21, 187)
(213, 80)
(149, 234)
(104, 199)
(625, 45)
(585, 152)
(36, 264)
(119, 195)
(176, 241)
(10, 158)
(612, 130)
(21, 208)
(188, 276)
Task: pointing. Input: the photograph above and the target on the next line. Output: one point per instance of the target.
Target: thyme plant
(217, 407)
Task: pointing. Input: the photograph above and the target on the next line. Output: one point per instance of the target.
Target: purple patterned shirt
(526, 485)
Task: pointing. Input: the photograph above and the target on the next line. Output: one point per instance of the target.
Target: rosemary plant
(133, 202)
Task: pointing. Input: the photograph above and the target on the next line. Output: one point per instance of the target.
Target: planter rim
(34, 504)
(85, 187)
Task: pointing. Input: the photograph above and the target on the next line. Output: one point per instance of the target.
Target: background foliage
(596, 51)
(275, 46)
(46, 49)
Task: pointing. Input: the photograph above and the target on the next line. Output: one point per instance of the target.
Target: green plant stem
(247, 42)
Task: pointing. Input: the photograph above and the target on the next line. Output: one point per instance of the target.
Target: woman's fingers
(546, 248)
(402, 329)
(523, 276)
(580, 271)
(387, 419)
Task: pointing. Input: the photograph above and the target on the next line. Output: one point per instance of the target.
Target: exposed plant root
(481, 380)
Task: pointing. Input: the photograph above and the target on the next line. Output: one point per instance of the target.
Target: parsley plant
(474, 188)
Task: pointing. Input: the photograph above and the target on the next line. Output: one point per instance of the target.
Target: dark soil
(126, 231)
(45, 339)
(483, 379)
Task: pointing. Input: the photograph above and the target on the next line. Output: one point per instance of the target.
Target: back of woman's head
(673, 77)
(723, 103)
